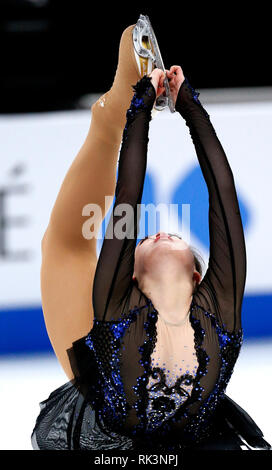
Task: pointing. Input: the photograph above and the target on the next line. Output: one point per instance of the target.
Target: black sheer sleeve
(113, 276)
(222, 288)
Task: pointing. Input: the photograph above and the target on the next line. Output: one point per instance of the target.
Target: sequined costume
(125, 395)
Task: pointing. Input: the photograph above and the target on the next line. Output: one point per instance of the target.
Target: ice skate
(148, 56)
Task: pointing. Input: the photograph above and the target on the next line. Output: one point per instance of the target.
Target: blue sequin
(230, 344)
(143, 89)
(195, 94)
(164, 409)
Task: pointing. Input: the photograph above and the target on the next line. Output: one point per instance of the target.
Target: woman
(152, 369)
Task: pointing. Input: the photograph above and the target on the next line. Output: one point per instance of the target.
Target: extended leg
(68, 259)
(92, 174)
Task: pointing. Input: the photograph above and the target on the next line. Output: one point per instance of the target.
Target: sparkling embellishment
(163, 400)
(110, 390)
(195, 94)
(230, 345)
(143, 99)
(102, 102)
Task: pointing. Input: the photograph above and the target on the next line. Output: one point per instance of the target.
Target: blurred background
(57, 58)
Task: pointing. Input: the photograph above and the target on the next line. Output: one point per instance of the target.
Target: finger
(169, 74)
(162, 78)
(158, 72)
(155, 73)
(160, 91)
(158, 76)
(176, 69)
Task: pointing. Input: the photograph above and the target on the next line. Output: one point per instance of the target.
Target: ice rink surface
(27, 380)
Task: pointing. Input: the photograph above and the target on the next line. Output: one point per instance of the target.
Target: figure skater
(148, 343)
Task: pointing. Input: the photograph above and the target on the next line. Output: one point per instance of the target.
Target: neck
(171, 300)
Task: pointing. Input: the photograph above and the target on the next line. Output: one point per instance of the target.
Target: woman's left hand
(176, 78)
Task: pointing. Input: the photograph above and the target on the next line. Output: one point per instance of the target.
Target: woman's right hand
(176, 78)
(157, 79)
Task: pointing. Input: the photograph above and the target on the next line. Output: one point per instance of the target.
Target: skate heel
(143, 49)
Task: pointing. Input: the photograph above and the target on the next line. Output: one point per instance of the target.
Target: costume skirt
(67, 421)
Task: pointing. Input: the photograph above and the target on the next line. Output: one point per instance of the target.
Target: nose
(162, 234)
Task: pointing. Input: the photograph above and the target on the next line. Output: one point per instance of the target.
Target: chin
(157, 259)
(166, 254)
(167, 247)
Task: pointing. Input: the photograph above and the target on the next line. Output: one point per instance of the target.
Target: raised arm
(113, 276)
(222, 287)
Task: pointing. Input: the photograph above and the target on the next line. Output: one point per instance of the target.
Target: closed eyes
(171, 235)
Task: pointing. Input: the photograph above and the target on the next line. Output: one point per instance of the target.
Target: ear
(196, 277)
(134, 280)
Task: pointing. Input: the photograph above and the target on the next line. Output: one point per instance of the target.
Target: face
(161, 252)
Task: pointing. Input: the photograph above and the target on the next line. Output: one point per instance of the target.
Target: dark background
(53, 52)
